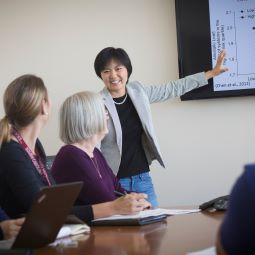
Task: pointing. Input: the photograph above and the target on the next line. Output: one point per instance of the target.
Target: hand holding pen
(133, 202)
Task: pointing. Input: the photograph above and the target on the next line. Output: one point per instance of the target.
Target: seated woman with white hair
(83, 124)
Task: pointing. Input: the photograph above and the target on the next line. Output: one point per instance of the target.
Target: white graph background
(233, 30)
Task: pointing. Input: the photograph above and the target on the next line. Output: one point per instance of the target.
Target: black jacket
(20, 181)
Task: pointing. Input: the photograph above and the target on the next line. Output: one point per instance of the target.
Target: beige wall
(204, 143)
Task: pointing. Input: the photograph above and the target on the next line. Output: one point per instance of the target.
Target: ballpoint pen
(118, 193)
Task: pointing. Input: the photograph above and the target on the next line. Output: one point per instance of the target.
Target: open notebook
(141, 218)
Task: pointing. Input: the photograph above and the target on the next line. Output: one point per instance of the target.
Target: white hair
(82, 115)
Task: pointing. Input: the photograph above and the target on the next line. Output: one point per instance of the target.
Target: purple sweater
(73, 164)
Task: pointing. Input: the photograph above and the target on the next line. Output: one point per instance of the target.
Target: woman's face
(115, 76)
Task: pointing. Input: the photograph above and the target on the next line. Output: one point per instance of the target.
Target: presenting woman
(22, 157)
(83, 124)
(131, 144)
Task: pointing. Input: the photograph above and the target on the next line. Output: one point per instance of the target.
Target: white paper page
(6, 244)
(178, 211)
(208, 251)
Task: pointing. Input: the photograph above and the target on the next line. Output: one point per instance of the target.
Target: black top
(20, 181)
(133, 159)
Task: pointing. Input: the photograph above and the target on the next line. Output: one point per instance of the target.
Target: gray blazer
(142, 96)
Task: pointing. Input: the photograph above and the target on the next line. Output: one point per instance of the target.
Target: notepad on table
(142, 218)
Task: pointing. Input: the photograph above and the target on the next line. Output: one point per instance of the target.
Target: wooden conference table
(175, 236)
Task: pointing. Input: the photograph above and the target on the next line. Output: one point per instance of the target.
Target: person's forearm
(209, 74)
(103, 210)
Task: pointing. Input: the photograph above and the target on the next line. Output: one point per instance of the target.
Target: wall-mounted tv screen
(206, 27)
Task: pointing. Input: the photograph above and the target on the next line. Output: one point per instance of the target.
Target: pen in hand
(120, 194)
(137, 201)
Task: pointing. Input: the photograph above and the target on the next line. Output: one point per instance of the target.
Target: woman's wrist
(103, 210)
(209, 74)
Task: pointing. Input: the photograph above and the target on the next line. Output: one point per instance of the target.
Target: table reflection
(112, 240)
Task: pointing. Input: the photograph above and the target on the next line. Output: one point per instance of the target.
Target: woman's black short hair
(109, 53)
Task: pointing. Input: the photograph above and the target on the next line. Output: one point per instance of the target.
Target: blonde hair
(22, 104)
(82, 115)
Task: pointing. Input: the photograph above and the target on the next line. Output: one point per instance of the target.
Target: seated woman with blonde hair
(83, 124)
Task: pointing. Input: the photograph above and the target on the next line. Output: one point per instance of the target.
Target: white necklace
(96, 166)
(123, 101)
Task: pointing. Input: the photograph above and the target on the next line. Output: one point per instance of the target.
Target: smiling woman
(114, 68)
(114, 76)
(131, 145)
